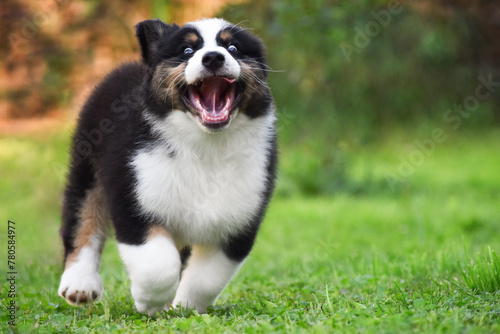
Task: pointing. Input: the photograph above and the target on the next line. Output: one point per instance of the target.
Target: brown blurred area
(54, 51)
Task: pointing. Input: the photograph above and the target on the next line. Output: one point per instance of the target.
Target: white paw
(185, 304)
(151, 308)
(80, 286)
(155, 299)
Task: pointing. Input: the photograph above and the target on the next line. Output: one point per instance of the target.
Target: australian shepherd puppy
(178, 151)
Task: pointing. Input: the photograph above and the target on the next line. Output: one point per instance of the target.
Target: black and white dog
(179, 152)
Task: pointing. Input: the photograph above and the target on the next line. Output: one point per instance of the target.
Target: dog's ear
(150, 33)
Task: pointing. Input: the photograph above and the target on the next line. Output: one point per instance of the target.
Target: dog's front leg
(207, 274)
(154, 270)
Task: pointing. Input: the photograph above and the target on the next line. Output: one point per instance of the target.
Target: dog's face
(209, 69)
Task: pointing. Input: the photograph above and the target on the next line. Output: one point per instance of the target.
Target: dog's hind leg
(84, 233)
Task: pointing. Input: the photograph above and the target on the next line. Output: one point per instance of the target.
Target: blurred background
(388, 119)
(349, 74)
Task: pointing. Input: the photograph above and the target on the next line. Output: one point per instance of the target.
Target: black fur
(80, 180)
(110, 128)
(151, 34)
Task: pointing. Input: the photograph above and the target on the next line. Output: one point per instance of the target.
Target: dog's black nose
(213, 60)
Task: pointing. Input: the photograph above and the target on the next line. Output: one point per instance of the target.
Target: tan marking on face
(92, 226)
(192, 38)
(167, 80)
(226, 36)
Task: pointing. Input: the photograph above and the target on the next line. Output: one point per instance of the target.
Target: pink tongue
(213, 93)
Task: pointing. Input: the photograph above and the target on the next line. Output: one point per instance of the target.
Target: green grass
(483, 274)
(370, 260)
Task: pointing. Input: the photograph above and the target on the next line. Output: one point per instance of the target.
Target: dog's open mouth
(213, 99)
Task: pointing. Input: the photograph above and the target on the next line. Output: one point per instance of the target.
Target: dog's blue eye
(188, 51)
(232, 48)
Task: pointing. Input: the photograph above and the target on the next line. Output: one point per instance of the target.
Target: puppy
(178, 151)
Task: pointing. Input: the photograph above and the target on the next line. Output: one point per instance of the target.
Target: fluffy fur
(179, 153)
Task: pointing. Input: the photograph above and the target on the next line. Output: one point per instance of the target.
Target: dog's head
(209, 69)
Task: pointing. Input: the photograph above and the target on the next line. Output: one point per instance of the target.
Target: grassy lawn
(371, 260)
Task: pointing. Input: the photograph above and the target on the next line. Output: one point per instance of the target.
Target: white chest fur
(212, 185)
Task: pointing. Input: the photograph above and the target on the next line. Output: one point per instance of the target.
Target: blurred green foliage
(405, 72)
(411, 70)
